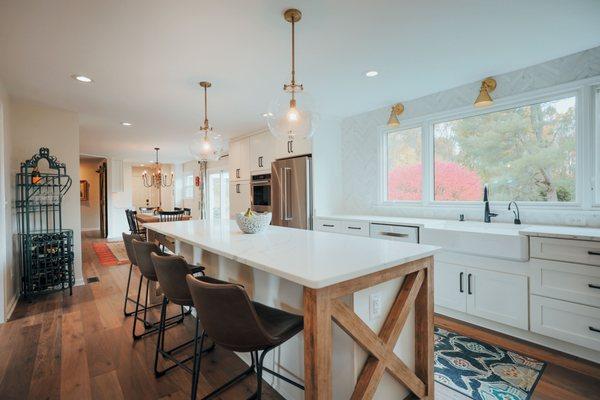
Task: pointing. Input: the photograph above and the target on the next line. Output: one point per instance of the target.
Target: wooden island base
(322, 306)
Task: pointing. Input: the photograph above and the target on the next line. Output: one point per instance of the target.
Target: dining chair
(169, 216)
(147, 210)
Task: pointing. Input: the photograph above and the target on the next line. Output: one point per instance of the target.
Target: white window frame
(587, 134)
(186, 175)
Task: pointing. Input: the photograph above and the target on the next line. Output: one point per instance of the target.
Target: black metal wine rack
(46, 249)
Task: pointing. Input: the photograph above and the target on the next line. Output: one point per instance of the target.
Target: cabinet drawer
(577, 251)
(328, 225)
(359, 228)
(573, 323)
(566, 281)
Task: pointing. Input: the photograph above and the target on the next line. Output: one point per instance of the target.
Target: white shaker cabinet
(292, 148)
(239, 197)
(262, 152)
(449, 286)
(239, 160)
(498, 297)
(483, 293)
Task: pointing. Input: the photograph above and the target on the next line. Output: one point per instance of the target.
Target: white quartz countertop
(555, 231)
(309, 258)
(563, 232)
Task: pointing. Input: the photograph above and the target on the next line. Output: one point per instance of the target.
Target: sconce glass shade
(206, 145)
(292, 119)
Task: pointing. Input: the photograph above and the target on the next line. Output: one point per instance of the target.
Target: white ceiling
(146, 57)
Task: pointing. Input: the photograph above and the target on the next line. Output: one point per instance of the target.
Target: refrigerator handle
(286, 174)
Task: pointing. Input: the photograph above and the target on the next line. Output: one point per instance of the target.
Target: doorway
(93, 195)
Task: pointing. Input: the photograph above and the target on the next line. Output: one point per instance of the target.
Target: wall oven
(260, 191)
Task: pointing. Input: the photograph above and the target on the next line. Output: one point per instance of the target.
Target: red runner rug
(106, 256)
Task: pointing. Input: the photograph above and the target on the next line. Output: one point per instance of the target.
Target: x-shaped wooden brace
(381, 347)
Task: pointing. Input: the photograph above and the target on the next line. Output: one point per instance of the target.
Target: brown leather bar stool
(171, 272)
(127, 240)
(236, 323)
(144, 262)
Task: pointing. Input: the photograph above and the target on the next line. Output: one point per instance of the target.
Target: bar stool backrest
(171, 272)
(142, 255)
(128, 241)
(227, 315)
(129, 221)
(167, 216)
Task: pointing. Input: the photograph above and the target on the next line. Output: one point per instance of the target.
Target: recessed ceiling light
(82, 78)
(371, 74)
(126, 123)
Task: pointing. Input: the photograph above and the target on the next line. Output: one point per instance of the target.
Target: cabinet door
(497, 296)
(291, 148)
(239, 163)
(239, 197)
(262, 152)
(449, 283)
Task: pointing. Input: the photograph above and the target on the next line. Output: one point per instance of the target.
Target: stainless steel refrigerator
(291, 194)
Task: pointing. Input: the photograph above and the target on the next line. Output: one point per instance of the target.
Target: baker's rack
(46, 256)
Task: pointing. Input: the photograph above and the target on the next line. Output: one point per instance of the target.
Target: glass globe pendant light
(206, 144)
(291, 113)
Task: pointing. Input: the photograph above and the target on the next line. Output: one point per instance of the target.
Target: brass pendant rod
(293, 53)
(205, 109)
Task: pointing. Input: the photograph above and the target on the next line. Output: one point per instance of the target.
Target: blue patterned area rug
(481, 371)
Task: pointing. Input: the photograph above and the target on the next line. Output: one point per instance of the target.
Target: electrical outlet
(375, 306)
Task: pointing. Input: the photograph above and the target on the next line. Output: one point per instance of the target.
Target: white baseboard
(546, 341)
(79, 282)
(11, 307)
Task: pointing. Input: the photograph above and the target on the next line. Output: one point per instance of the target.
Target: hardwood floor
(80, 347)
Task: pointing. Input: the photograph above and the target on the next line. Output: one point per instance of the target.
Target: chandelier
(291, 113)
(156, 178)
(206, 144)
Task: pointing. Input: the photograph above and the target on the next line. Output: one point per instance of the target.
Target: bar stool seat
(279, 324)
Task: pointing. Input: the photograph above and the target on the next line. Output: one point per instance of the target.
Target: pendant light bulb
(291, 113)
(206, 144)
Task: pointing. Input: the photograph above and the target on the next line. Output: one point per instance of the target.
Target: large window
(404, 166)
(526, 153)
(188, 186)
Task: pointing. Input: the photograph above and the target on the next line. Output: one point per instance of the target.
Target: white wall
(327, 166)
(90, 209)
(34, 125)
(8, 282)
(361, 143)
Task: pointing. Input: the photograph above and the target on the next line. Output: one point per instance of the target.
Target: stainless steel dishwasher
(400, 233)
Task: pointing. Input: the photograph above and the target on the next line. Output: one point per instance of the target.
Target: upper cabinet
(239, 160)
(291, 148)
(262, 152)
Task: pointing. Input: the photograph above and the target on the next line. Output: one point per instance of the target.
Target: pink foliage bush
(452, 182)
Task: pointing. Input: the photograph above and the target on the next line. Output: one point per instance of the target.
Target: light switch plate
(375, 306)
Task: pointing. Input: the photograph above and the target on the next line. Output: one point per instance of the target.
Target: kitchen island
(327, 277)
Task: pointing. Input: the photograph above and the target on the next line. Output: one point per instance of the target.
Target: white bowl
(254, 224)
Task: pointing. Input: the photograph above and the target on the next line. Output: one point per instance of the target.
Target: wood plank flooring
(80, 347)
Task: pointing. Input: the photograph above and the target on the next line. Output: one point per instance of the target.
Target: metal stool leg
(127, 298)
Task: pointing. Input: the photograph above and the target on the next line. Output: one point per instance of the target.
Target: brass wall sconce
(397, 109)
(484, 99)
